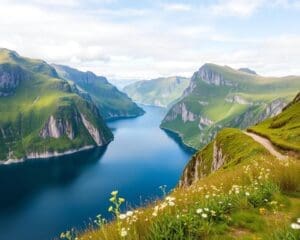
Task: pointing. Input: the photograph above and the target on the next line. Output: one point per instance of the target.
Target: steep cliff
(111, 102)
(219, 97)
(41, 115)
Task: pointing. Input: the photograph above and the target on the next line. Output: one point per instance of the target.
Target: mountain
(219, 96)
(158, 92)
(239, 186)
(111, 102)
(232, 145)
(40, 114)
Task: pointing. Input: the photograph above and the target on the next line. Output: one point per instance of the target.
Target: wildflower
(213, 213)
(206, 196)
(110, 209)
(199, 210)
(206, 209)
(262, 211)
(122, 216)
(171, 204)
(298, 220)
(204, 215)
(114, 193)
(154, 214)
(295, 226)
(123, 232)
(247, 193)
(129, 213)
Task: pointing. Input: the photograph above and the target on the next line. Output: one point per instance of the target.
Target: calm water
(40, 199)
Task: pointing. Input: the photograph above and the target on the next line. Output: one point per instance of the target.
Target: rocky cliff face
(199, 167)
(10, 78)
(57, 128)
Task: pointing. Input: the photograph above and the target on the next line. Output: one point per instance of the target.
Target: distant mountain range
(54, 110)
(111, 102)
(220, 96)
(160, 92)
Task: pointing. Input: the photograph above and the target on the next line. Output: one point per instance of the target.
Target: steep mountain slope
(284, 129)
(111, 102)
(158, 92)
(234, 188)
(219, 97)
(40, 115)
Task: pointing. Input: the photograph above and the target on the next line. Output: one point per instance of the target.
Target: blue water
(41, 198)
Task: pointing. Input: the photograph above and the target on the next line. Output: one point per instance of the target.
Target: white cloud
(177, 7)
(241, 8)
(146, 45)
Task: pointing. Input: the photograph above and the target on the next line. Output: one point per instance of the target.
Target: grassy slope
(248, 198)
(25, 112)
(253, 88)
(111, 102)
(284, 129)
(252, 196)
(161, 91)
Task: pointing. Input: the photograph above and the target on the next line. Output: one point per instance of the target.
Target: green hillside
(40, 115)
(233, 188)
(284, 129)
(111, 102)
(219, 96)
(160, 92)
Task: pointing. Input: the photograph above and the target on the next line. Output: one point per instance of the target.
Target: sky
(144, 39)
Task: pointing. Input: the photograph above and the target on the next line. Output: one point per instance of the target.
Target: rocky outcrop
(218, 158)
(272, 109)
(210, 76)
(56, 128)
(92, 130)
(182, 111)
(10, 78)
(204, 122)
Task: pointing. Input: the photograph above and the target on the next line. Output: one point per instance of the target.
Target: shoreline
(47, 155)
(176, 136)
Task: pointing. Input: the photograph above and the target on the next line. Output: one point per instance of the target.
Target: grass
(284, 129)
(253, 194)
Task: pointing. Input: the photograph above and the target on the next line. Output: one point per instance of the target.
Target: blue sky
(126, 39)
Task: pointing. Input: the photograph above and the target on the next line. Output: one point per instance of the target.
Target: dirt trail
(267, 144)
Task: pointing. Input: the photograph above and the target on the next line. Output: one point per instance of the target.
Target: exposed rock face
(92, 130)
(10, 78)
(182, 111)
(273, 109)
(204, 121)
(218, 158)
(211, 77)
(56, 128)
(198, 168)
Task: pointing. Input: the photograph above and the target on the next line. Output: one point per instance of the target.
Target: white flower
(123, 232)
(171, 204)
(154, 214)
(247, 193)
(204, 215)
(295, 226)
(206, 209)
(122, 216)
(129, 213)
(199, 210)
(298, 220)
